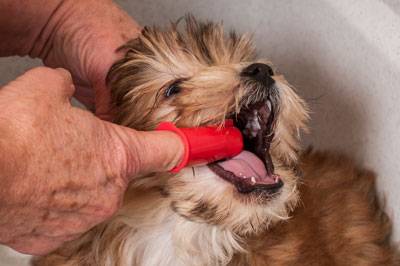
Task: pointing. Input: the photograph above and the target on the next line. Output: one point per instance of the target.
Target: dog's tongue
(248, 165)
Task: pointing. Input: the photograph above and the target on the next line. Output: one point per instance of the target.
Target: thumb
(143, 152)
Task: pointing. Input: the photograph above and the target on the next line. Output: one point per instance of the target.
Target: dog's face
(200, 76)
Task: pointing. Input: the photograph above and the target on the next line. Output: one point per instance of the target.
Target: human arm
(63, 169)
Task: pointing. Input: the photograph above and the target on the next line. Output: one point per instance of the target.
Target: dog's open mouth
(252, 170)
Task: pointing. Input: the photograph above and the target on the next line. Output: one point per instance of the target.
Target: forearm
(23, 25)
(80, 36)
(36, 27)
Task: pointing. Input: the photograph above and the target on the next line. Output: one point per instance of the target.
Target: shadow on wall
(338, 121)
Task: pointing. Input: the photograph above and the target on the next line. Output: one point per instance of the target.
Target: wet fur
(328, 215)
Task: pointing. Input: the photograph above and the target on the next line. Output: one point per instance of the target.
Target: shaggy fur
(329, 216)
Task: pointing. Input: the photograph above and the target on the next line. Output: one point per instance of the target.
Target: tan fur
(197, 218)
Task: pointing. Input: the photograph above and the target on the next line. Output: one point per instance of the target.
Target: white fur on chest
(158, 236)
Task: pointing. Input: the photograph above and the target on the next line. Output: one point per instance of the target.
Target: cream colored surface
(343, 56)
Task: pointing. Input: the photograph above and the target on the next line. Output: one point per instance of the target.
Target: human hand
(82, 37)
(62, 169)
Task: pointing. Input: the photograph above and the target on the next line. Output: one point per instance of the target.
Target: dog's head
(200, 76)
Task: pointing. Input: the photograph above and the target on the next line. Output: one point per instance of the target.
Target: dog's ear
(129, 66)
(121, 79)
(147, 58)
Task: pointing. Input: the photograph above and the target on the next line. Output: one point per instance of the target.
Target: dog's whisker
(194, 172)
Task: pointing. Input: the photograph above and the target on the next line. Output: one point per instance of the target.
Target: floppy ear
(149, 64)
(134, 80)
(122, 77)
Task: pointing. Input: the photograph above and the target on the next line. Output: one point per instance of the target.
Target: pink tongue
(245, 165)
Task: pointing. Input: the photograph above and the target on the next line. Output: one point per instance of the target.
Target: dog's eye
(174, 88)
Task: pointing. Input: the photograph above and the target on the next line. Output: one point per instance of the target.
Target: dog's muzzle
(252, 170)
(261, 73)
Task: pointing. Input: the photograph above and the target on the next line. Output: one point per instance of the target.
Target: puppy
(266, 206)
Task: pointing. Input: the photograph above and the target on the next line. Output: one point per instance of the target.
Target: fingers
(39, 245)
(56, 83)
(67, 88)
(160, 151)
(35, 245)
(52, 234)
(139, 152)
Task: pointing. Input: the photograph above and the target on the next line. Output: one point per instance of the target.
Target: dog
(273, 204)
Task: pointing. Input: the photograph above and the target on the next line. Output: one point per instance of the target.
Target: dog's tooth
(269, 105)
(254, 121)
(257, 125)
(253, 180)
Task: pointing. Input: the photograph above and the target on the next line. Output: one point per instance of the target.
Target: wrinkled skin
(64, 34)
(62, 169)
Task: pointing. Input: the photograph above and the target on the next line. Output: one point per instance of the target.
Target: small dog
(265, 206)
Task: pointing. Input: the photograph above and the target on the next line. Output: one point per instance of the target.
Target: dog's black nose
(260, 72)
